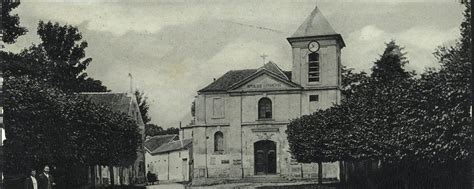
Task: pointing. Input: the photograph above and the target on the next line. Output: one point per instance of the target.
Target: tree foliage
(153, 130)
(11, 22)
(143, 105)
(59, 59)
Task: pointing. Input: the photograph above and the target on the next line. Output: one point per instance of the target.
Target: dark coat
(29, 183)
(44, 182)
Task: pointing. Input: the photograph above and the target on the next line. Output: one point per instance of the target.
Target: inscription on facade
(264, 85)
(237, 162)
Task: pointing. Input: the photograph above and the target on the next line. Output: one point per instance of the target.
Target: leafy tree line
(44, 125)
(416, 127)
(46, 120)
(153, 130)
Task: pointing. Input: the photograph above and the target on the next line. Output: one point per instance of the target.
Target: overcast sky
(175, 47)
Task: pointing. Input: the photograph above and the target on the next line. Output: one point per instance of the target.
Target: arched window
(218, 142)
(313, 67)
(264, 108)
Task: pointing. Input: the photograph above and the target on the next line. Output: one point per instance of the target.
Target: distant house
(171, 161)
(153, 143)
(124, 103)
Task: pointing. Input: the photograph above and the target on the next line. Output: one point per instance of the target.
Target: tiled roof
(314, 25)
(173, 146)
(227, 80)
(156, 141)
(234, 76)
(118, 102)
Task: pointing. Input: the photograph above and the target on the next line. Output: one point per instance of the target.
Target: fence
(375, 174)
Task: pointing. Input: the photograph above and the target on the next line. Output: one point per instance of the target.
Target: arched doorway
(265, 157)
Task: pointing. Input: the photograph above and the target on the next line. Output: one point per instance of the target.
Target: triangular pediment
(264, 80)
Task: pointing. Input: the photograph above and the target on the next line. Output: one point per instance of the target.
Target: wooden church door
(265, 157)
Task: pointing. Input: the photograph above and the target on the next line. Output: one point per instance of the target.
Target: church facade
(241, 118)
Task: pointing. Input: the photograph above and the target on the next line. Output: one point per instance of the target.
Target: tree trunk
(100, 175)
(112, 178)
(320, 172)
(342, 172)
(93, 176)
(121, 176)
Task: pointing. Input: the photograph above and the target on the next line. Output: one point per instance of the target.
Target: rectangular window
(313, 98)
(218, 107)
(313, 67)
(313, 103)
(225, 162)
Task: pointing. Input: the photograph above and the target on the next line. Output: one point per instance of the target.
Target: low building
(153, 143)
(123, 103)
(171, 161)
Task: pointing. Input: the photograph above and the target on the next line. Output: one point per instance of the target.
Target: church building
(241, 117)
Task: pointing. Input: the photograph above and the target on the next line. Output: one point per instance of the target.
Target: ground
(294, 185)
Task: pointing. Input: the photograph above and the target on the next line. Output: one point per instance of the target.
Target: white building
(171, 161)
(241, 118)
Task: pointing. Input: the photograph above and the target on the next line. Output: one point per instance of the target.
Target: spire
(314, 25)
(131, 83)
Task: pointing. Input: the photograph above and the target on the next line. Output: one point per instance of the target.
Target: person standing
(46, 180)
(31, 182)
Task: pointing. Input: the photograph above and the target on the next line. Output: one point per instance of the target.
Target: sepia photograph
(227, 94)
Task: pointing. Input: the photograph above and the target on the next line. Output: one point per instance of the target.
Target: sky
(173, 48)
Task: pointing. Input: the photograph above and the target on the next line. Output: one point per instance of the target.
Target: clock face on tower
(313, 46)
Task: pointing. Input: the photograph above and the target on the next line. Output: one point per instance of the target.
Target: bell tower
(316, 53)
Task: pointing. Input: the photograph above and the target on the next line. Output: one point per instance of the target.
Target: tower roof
(314, 25)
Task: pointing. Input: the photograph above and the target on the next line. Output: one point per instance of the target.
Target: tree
(314, 147)
(153, 130)
(143, 106)
(59, 59)
(193, 108)
(11, 23)
(390, 65)
(170, 130)
(448, 91)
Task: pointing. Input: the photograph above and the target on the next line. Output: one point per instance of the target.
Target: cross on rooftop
(263, 57)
